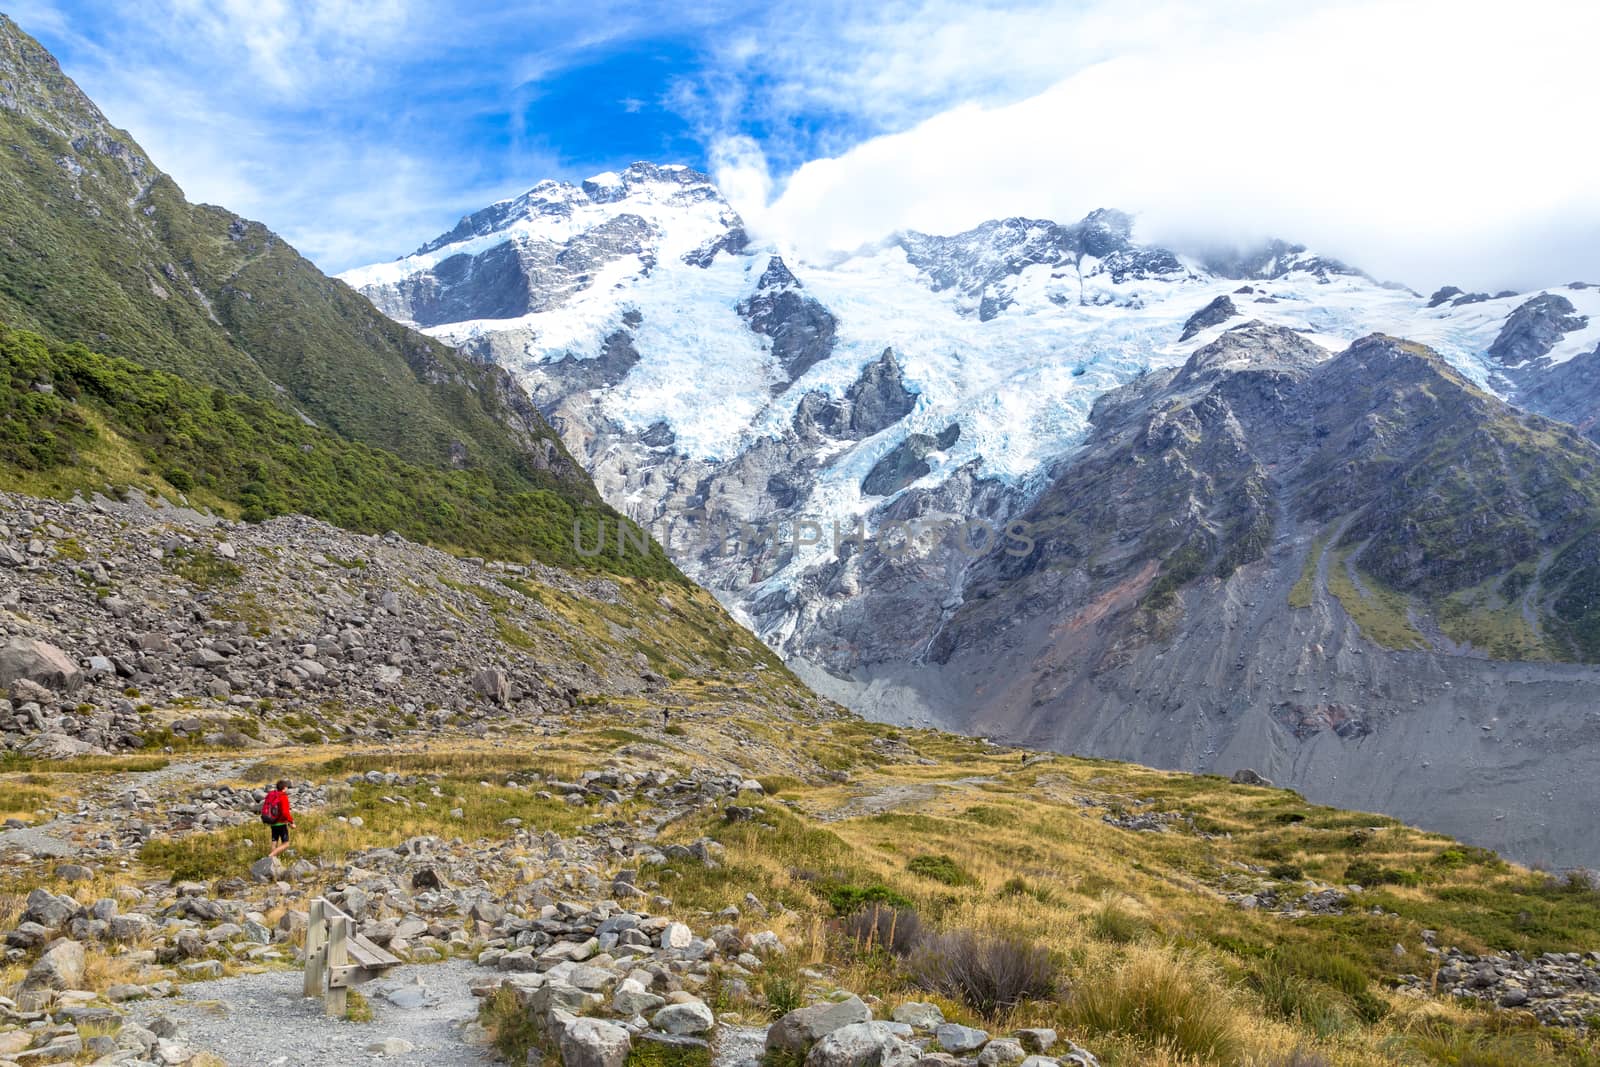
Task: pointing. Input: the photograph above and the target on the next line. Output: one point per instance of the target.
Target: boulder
(24, 659)
(920, 1015)
(1002, 1051)
(48, 910)
(866, 1044)
(953, 1037)
(690, 1017)
(800, 1029)
(632, 998)
(58, 746)
(1246, 776)
(1038, 1040)
(594, 1043)
(61, 967)
(492, 685)
(267, 869)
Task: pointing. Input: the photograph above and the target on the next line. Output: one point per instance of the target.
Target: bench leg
(316, 943)
(335, 1001)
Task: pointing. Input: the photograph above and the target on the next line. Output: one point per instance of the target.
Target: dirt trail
(894, 796)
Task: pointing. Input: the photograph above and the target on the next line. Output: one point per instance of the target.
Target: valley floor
(1182, 919)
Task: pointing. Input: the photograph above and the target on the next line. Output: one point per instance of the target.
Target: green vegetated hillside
(98, 245)
(74, 420)
(283, 389)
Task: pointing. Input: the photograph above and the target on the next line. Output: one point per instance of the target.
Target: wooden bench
(337, 958)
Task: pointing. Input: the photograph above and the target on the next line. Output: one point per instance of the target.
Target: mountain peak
(610, 186)
(563, 206)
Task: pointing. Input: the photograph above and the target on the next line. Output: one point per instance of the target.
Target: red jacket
(281, 799)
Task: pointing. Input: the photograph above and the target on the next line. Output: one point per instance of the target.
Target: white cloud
(1423, 140)
(292, 48)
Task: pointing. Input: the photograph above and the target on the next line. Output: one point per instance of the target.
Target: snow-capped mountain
(641, 315)
(841, 449)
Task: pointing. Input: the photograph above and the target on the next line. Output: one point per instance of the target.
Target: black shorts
(280, 832)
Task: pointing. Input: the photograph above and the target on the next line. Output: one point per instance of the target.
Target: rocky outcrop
(1558, 988)
(1215, 313)
(801, 329)
(1273, 259)
(1534, 328)
(983, 263)
(907, 461)
(876, 400)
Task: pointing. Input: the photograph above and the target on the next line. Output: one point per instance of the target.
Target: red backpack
(272, 808)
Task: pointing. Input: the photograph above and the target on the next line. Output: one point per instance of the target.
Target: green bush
(1367, 874)
(941, 869)
(849, 899)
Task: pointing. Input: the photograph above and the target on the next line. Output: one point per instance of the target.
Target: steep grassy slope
(98, 246)
(72, 420)
(284, 389)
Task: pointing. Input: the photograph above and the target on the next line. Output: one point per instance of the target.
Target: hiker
(666, 717)
(275, 813)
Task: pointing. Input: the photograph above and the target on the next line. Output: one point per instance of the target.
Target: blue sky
(1430, 141)
(361, 128)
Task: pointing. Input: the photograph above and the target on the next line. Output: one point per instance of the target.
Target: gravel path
(260, 1020)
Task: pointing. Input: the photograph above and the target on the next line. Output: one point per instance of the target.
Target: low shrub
(941, 869)
(1112, 919)
(991, 975)
(1019, 887)
(894, 930)
(849, 899)
(1300, 1000)
(1367, 874)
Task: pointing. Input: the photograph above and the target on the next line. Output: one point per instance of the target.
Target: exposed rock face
(1215, 313)
(1273, 260)
(983, 263)
(1170, 550)
(1568, 391)
(907, 462)
(801, 329)
(876, 400)
(1535, 328)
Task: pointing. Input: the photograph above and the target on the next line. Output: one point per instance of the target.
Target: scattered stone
(953, 1037)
